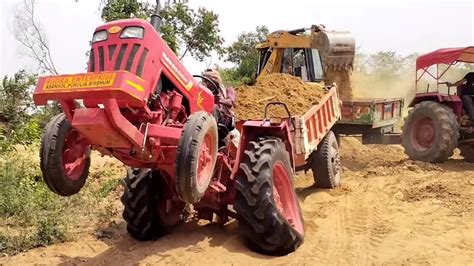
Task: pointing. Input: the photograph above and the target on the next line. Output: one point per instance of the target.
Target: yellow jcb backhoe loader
(325, 57)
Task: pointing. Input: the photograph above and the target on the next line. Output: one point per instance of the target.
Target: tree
(184, 29)
(30, 34)
(244, 54)
(121, 9)
(385, 62)
(16, 108)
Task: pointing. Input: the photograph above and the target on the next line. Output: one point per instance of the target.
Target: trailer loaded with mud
(310, 110)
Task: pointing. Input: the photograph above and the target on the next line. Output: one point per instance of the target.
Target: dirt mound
(357, 157)
(435, 190)
(298, 95)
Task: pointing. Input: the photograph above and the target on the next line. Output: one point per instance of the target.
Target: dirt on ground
(296, 94)
(388, 211)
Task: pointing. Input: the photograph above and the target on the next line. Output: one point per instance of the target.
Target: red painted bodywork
(160, 59)
(453, 101)
(308, 130)
(133, 66)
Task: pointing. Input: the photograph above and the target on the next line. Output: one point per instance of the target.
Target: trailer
(314, 144)
(372, 119)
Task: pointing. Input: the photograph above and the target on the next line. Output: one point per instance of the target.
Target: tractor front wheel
(64, 157)
(326, 163)
(268, 208)
(430, 133)
(149, 215)
(196, 157)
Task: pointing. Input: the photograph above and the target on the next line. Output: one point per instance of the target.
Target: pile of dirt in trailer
(342, 78)
(296, 94)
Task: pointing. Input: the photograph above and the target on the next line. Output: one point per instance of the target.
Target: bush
(47, 232)
(107, 187)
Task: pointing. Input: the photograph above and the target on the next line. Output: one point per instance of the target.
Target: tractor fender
(452, 101)
(253, 130)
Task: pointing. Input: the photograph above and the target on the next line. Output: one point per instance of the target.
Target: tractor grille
(127, 57)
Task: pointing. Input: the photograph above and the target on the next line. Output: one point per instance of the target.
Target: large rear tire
(430, 133)
(196, 157)
(144, 206)
(64, 157)
(268, 208)
(326, 163)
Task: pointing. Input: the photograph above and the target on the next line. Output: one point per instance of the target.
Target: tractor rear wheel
(196, 156)
(430, 132)
(64, 157)
(326, 163)
(467, 151)
(268, 208)
(148, 214)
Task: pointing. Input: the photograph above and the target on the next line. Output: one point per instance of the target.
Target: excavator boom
(335, 50)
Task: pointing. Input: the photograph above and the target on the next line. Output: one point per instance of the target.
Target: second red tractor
(438, 122)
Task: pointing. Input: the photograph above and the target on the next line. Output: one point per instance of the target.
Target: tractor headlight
(99, 36)
(132, 32)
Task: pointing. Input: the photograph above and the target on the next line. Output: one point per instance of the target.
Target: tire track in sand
(359, 229)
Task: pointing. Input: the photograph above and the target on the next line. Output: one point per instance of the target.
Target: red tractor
(141, 106)
(438, 122)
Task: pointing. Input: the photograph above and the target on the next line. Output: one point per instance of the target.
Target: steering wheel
(215, 89)
(448, 84)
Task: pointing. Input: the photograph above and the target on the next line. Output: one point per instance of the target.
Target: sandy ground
(389, 211)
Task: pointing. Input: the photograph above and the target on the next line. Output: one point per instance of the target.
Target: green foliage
(197, 31)
(122, 9)
(21, 193)
(107, 187)
(32, 216)
(244, 55)
(49, 231)
(16, 107)
(385, 63)
(230, 76)
(184, 29)
(45, 113)
(26, 202)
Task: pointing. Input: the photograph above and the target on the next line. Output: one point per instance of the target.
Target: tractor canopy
(446, 56)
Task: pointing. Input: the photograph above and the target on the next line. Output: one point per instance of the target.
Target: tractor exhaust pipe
(155, 20)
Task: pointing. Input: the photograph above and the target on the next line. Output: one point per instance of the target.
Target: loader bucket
(337, 49)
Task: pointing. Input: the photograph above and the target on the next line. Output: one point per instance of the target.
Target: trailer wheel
(269, 213)
(430, 132)
(196, 157)
(326, 163)
(467, 151)
(145, 209)
(64, 157)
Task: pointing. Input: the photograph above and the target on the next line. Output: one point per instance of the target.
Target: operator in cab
(466, 86)
(224, 99)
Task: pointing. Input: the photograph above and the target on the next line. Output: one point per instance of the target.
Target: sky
(404, 26)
